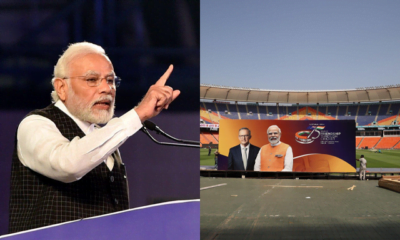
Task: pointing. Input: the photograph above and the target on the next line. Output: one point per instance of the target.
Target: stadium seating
(387, 142)
(242, 112)
(253, 109)
(397, 146)
(362, 110)
(282, 111)
(205, 116)
(216, 136)
(369, 142)
(387, 121)
(332, 110)
(207, 138)
(342, 112)
(358, 140)
(365, 114)
(272, 112)
(203, 140)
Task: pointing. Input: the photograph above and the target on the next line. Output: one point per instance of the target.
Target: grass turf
(206, 160)
(386, 159)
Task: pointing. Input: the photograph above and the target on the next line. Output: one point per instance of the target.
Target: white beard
(274, 141)
(84, 112)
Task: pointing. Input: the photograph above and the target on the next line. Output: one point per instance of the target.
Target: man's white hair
(274, 126)
(74, 50)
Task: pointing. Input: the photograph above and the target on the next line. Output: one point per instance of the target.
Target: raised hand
(157, 98)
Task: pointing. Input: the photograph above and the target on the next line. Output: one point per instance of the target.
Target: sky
(300, 45)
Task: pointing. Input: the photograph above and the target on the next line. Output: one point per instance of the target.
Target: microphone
(152, 126)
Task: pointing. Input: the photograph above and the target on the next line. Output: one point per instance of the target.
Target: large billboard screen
(290, 145)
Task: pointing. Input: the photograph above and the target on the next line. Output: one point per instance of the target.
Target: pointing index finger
(163, 79)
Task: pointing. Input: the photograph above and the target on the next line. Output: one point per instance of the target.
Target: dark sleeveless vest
(38, 201)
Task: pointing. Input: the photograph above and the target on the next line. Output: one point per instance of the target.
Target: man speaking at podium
(65, 167)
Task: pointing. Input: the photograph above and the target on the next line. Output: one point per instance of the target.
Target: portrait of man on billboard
(242, 156)
(275, 156)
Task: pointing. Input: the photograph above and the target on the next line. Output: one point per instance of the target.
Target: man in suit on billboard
(242, 156)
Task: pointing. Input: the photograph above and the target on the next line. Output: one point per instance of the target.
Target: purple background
(172, 221)
(156, 173)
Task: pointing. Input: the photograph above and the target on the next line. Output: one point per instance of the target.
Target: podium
(170, 220)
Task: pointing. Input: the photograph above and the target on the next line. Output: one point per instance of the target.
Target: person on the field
(363, 167)
(216, 153)
(275, 156)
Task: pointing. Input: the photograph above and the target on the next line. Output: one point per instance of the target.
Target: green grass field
(386, 159)
(206, 160)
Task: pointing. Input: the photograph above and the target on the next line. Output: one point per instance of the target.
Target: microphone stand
(144, 129)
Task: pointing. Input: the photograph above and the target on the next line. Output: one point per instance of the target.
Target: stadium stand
(342, 112)
(216, 136)
(364, 114)
(252, 111)
(208, 138)
(358, 141)
(282, 111)
(272, 112)
(362, 109)
(205, 116)
(292, 113)
(387, 142)
(211, 106)
(203, 139)
(374, 110)
(383, 112)
(242, 111)
(369, 142)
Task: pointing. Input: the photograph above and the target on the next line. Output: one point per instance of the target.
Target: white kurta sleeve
(288, 164)
(42, 147)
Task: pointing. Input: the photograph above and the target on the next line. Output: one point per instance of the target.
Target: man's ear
(61, 87)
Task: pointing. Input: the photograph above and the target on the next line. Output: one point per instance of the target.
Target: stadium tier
(358, 141)
(373, 114)
(387, 142)
(375, 110)
(369, 142)
(216, 136)
(208, 138)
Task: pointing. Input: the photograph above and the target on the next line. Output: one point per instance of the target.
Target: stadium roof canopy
(369, 94)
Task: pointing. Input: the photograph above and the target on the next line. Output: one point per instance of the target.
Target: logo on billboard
(308, 136)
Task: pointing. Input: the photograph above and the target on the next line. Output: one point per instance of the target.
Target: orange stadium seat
(204, 140)
(388, 142)
(304, 116)
(216, 135)
(210, 138)
(386, 121)
(206, 116)
(358, 140)
(369, 141)
(211, 117)
(397, 146)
